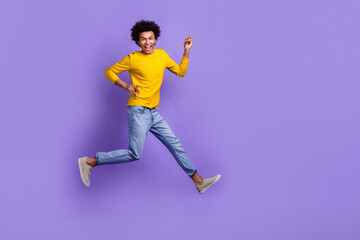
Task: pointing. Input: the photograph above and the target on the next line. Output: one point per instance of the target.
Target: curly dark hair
(144, 26)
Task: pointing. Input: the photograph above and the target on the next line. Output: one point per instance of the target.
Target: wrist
(186, 53)
(123, 84)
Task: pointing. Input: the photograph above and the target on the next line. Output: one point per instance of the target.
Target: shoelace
(89, 172)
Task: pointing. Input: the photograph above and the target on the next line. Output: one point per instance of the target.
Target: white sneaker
(208, 182)
(85, 171)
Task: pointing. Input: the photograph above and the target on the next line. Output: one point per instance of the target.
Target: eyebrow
(148, 37)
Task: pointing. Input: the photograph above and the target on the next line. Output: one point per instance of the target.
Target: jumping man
(146, 68)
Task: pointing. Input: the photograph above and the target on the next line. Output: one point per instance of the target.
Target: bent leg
(138, 128)
(162, 131)
(113, 157)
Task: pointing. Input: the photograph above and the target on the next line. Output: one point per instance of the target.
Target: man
(146, 68)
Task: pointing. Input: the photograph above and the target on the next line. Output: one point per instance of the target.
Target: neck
(148, 53)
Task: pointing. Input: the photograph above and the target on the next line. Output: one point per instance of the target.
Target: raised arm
(180, 69)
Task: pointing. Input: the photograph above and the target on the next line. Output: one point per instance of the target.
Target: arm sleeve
(180, 69)
(123, 65)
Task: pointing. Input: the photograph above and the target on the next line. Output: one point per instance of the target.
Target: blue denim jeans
(141, 120)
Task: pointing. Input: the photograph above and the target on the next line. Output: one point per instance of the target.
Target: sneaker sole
(217, 179)
(81, 174)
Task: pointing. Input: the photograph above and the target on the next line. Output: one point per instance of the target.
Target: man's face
(147, 42)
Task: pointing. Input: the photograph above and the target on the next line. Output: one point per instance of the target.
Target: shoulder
(133, 53)
(162, 52)
(128, 56)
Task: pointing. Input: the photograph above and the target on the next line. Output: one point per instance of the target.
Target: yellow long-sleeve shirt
(148, 72)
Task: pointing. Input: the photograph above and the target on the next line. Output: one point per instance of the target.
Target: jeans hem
(97, 159)
(193, 174)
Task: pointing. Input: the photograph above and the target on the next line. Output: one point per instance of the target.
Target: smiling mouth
(147, 47)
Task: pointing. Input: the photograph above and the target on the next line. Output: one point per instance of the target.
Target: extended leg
(162, 131)
(139, 122)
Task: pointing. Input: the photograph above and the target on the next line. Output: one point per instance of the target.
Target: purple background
(270, 100)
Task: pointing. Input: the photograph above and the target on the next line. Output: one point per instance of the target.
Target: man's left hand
(188, 43)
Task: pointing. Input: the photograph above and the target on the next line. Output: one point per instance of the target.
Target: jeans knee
(135, 155)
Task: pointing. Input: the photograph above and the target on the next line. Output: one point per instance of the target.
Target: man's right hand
(132, 88)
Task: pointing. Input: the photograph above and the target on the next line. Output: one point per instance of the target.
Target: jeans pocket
(138, 109)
